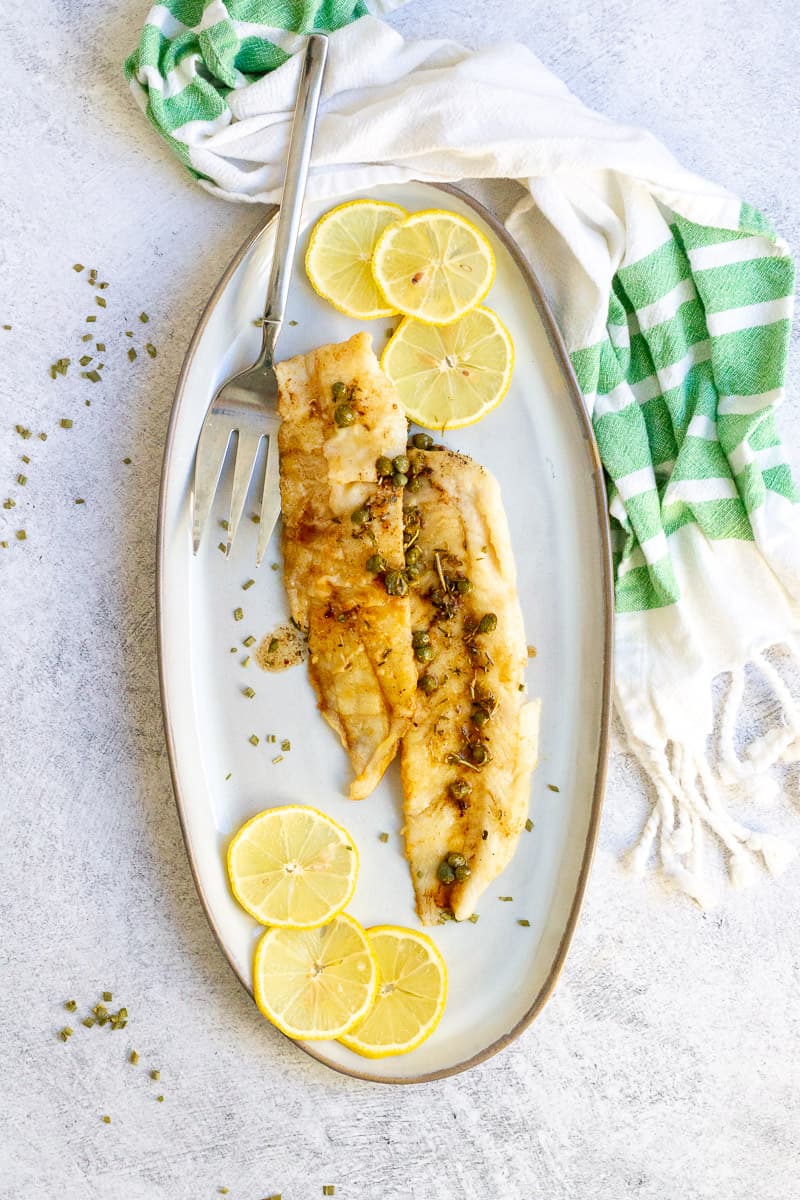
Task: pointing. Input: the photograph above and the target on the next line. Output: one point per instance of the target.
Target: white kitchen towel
(675, 301)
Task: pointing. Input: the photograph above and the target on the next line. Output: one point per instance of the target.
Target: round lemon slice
(339, 257)
(293, 867)
(412, 992)
(434, 266)
(449, 376)
(315, 983)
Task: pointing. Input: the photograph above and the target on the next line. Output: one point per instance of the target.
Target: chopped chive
(474, 918)
(131, 354)
(106, 1119)
(529, 824)
(85, 359)
(80, 501)
(127, 461)
(22, 480)
(328, 1189)
(4, 544)
(100, 366)
(42, 437)
(100, 301)
(128, 333)
(227, 777)
(123, 1013)
(91, 318)
(21, 535)
(222, 547)
(505, 899)
(273, 566)
(87, 337)
(551, 787)
(92, 276)
(249, 583)
(253, 740)
(65, 1034)
(103, 285)
(278, 759)
(107, 996)
(133, 1057)
(238, 614)
(155, 1075)
(100, 347)
(9, 503)
(249, 692)
(88, 403)
(93, 376)
(7, 327)
(143, 317)
(160, 1099)
(224, 525)
(234, 650)
(78, 267)
(151, 350)
(286, 745)
(65, 423)
(25, 458)
(383, 837)
(248, 641)
(271, 738)
(255, 518)
(259, 321)
(523, 922)
(273, 645)
(88, 1022)
(293, 323)
(223, 1191)
(22, 431)
(245, 661)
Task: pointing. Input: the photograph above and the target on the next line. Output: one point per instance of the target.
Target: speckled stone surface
(666, 1066)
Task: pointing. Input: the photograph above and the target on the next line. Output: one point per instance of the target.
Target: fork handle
(294, 187)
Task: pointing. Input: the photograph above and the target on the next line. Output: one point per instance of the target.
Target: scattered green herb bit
(6, 327)
(93, 376)
(505, 899)
(551, 787)
(87, 337)
(151, 350)
(131, 354)
(85, 359)
(474, 918)
(22, 480)
(107, 996)
(328, 1189)
(222, 547)
(9, 503)
(248, 584)
(160, 1099)
(278, 759)
(91, 318)
(522, 921)
(70, 1005)
(42, 437)
(233, 649)
(59, 367)
(80, 501)
(276, 1196)
(65, 423)
(100, 347)
(128, 333)
(253, 739)
(65, 1034)
(25, 458)
(92, 276)
(227, 777)
(127, 461)
(78, 267)
(273, 645)
(255, 518)
(383, 837)
(238, 614)
(223, 1191)
(100, 366)
(249, 692)
(21, 535)
(259, 321)
(529, 824)
(88, 403)
(248, 641)
(271, 738)
(106, 1119)
(4, 544)
(88, 1022)
(245, 661)
(273, 566)
(123, 1014)
(286, 745)
(100, 1011)
(155, 1075)
(143, 317)
(133, 1057)
(22, 431)
(100, 301)
(103, 285)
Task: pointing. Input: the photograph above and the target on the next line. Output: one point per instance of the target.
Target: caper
(344, 415)
(413, 571)
(423, 654)
(487, 623)
(427, 683)
(396, 583)
(417, 462)
(401, 464)
(445, 873)
(359, 516)
(422, 441)
(415, 484)
(462, 873)
(399, 479)
(413, 555)
(459, 788)
(376, 563)
(480, 716)
(462, 586)
(478, 753)
(454, 859)
(420, 637)
(383, 465)
(436, 597)
(339, 391)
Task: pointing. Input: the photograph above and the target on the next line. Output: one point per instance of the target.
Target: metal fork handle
(294, 187)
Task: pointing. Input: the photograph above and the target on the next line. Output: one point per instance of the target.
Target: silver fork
(247, 405)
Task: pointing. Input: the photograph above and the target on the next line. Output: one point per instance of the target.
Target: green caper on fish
(422, 441)
(487, 623)
(399, 479)
(462, 873)
(454, 859)
(344, 415)
(427, 683)
(423, 654)
(359, 516)
(383, 466)
(339, 392)
(376, 563)
(445, 873)
(396, 583)
(400, 464)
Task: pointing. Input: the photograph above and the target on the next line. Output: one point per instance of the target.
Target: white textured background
(666, 1066)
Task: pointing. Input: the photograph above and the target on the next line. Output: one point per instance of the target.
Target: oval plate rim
(561, 354)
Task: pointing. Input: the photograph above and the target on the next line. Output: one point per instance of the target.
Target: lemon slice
(339, 257)
(315, 983)
(293, 867)
(434, 266)
(412, 992)
(449, 376)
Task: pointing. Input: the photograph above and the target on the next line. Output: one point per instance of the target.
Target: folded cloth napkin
(675, 300)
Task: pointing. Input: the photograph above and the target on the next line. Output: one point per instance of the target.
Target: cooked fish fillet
(457, 522)
(359, 638)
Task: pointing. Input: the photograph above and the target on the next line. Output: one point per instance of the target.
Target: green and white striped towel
(675, 301)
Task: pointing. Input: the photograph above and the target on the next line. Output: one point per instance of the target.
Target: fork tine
(212, 446)
(246, 454)
(271, 499)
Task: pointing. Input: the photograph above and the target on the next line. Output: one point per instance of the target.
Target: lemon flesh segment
(293, 867)
(449, 376)
(315, 983)
(434, 266)
(411, 996)
(339, 257)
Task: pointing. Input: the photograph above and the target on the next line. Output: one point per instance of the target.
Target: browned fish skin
(359, 638)
(478, 707)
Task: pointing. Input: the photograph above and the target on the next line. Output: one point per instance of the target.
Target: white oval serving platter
(539, 445)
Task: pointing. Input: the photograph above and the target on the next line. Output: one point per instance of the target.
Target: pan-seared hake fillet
(339, 415)
(469, 753)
